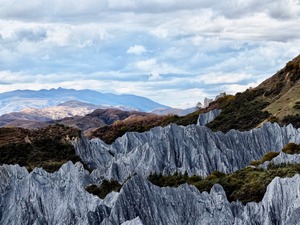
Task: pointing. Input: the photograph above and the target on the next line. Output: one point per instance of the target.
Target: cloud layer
(174, 52)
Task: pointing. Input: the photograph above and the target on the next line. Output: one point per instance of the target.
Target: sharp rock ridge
(193, 149)
(186, 205)
(59, 198)
(46, 198)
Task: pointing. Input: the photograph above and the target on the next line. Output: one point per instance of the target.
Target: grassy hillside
(47, 148)
(288, 104)
(243, 112)
(276, 99)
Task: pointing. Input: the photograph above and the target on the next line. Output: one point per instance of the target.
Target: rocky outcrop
(60, 198)
(186, 205)
(45, 198)
(193, 149)
(282, 158)
(206, 118)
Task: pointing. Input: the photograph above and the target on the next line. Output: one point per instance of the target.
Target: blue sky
(174, 52)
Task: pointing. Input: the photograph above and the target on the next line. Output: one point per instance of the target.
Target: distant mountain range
(174, 111)
(15, 101)
(80, 109)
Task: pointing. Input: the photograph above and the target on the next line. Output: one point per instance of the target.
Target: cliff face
(194, 149)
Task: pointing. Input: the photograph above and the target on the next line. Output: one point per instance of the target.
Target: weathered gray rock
(159, 206)
(60, 198)
(206, 118)
(186, 205)
(135, 221)
(45, 198)
(280, 205)
(193, 149)
(282, 158)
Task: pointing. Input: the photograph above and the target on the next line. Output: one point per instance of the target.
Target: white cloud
(286, 9)
(154, 76)
(220, 78)
(146, 65)
(183, 98)
(153, 67)
(101, 45)
(136, 49)
(234, 88)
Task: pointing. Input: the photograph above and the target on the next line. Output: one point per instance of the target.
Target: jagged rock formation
(193, 149)
(206, 118)
(60, 198)
(44, 198)
(282, 158)
(186, 205)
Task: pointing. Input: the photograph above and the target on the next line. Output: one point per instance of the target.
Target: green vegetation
(291, 148)
(244, 112)
(297, 105)
(246, 185)
(291, 119)
(48, 153)
(283, 90)
(267, 157)
(275, 90)
(46, 148)
(294, 68)
(183, 120)
(172, 180)
(104, 189)
(223, 101)
(287, 104)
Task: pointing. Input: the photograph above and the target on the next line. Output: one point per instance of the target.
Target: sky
(175, 52)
